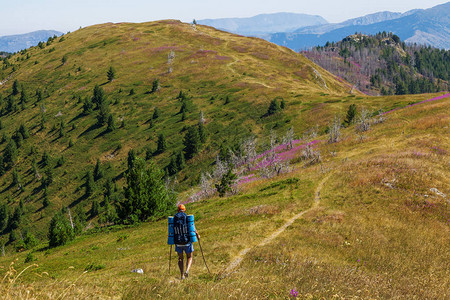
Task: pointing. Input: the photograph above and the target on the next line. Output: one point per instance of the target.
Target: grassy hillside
(209, 66)
(362, 223)
(371, 222)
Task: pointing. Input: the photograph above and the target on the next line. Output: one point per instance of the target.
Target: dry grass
(380, 231)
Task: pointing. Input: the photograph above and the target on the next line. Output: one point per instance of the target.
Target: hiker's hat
(181, 207)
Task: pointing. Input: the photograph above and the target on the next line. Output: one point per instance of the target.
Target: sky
(22, 16)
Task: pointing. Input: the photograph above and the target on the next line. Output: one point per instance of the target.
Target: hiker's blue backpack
(181, 229)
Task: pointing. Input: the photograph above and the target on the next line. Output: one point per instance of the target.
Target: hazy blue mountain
(14, 43)
(430, 26)
(365, 20)
(265, 23)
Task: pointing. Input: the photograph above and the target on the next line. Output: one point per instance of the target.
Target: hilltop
(383, 64)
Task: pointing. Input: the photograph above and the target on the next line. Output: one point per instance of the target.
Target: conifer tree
(161, 144)
(351, 114)
(181, 164)
(274, 107)
(10, 154)
(145, 193)
(103, 114)
(131, 159)
(95, 208)
(226, 182)
(156, 113)
(98, 97)
(15, 87)
(23, 96)
(111, 123)
(111, 74)
(191, 143)
(60, 231)
(155, 86)
(202, 132)
(89, 184)
(4, 215)
(98, 172)
(88, 106)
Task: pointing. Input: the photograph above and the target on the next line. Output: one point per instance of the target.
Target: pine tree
(111, 124)
(351, 114)
(181, 164)
(274, 107)
(15, 88)
(98, 97)
(45, 159)
(156, 113)
(103, 114)
(191, 143)
(60, 231)
(89, 184)
(15, 178)
(111, 74)
(24, 131)
(226, 182)
(95, 208)
(98, 172)
(155, 86)
(23, 96)
(161, 144)
(10, 154)
(172, 166)
(4, 215)
(145, 193)
(88, 106)
(202, 132)
(131, 159)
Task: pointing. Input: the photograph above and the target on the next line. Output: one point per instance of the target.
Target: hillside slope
(51, 142)
(372, 221)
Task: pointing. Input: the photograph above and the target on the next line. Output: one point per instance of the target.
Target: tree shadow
(79, 116)
(91, 128)
(102, 133)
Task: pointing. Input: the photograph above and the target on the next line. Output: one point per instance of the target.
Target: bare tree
(248, 150)
(309, 153)
(220, 169)
(288, 139)
(363, 121)
(206, 187)
(70, 218)
(334, 130)
(170, 59)
(201, 118)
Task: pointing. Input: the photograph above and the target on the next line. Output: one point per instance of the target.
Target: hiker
(187, 247)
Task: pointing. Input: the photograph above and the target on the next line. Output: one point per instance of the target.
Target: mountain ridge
(14, 43)
(264, 23)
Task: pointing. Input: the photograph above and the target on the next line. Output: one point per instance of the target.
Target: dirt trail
(238, 259)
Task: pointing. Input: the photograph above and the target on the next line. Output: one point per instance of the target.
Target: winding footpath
(238, 259)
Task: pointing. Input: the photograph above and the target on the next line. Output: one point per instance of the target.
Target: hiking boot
(186, 274)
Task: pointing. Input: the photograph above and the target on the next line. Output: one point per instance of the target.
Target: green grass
(365, 239)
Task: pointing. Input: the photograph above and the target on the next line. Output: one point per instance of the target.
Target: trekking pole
(170, 257)
(203, 255)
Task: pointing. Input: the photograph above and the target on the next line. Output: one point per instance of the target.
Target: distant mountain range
(14, 43)
(265, 24)
(430, 27)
